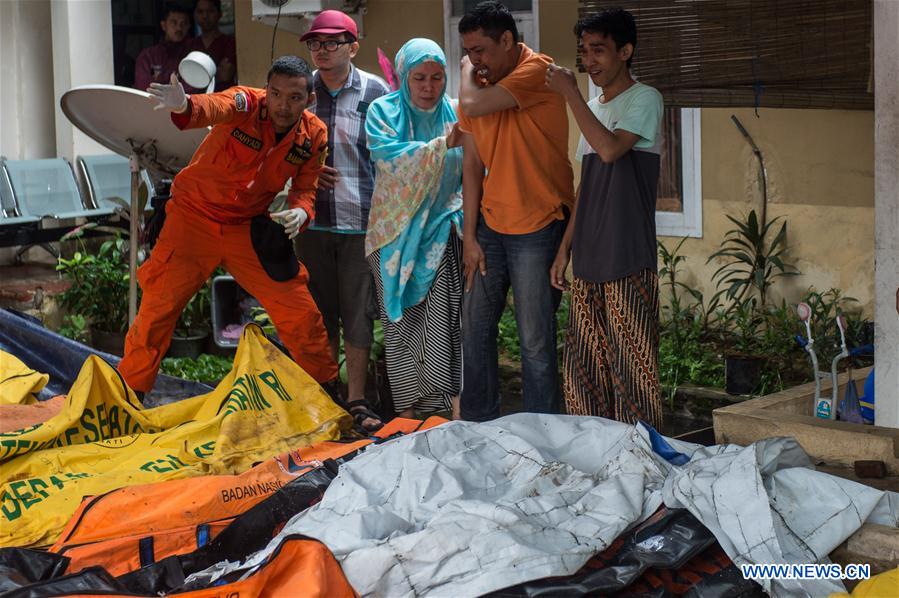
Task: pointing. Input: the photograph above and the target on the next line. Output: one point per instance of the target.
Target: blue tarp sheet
(62, 358)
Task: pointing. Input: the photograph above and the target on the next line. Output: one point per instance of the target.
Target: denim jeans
(522, 262)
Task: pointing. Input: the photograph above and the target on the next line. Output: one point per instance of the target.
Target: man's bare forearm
(609, 145)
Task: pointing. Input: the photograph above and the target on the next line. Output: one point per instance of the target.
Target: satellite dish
(123, 120)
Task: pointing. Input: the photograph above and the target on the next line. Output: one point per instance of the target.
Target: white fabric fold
(465, 509)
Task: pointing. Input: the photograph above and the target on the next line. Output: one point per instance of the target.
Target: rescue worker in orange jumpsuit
(260, 138)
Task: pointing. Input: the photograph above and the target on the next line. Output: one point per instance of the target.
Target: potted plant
(192, 329)
(99, 292)
(753, 255)
(743, 360)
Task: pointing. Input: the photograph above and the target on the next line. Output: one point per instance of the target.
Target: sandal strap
(359, 406)
(360, 410)
(358, 402)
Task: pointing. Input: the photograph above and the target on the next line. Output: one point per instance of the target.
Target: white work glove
(171, 96)
(292, 220)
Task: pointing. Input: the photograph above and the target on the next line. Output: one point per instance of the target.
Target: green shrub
(74, 326)
(206, 368)
(197, 314)
(99, 285)
(752, 260)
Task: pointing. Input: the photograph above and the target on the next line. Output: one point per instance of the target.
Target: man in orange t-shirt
(515, 213)
(218, 215)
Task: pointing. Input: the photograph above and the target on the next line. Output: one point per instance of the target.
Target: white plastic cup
(198, 70)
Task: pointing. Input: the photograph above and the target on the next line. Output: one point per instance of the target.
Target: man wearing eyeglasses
(333, 248)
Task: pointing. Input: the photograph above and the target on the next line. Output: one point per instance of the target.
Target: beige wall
(388, 24)
(391, 23)
(820, 162)
(820, 166)
(557, 19)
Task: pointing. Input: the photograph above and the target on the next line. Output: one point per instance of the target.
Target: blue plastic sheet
(663, 448)
(62, 358)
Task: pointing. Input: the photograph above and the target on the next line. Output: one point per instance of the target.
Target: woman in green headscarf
(413, 243)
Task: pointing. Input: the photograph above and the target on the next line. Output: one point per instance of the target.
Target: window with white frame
(524, 12)
(679, 204)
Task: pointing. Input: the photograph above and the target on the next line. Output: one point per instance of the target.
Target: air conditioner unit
(296, 15)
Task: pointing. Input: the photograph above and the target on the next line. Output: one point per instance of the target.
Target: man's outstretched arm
(202, 110)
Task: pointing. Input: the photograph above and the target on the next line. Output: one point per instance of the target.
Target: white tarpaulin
(465, 509)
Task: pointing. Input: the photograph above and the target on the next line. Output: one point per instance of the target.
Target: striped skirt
(424, 350)
(611, 359)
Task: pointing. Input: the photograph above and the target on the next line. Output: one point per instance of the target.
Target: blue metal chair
(47, 189)
(108, 176)
(9, 211)
(34, 194)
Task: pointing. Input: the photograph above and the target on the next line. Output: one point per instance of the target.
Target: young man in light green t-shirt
(611, 362)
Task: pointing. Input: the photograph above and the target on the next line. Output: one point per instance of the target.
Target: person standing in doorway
(515, 214)
(611, 362)
(333, 249)
(220, 46)
(157, 63)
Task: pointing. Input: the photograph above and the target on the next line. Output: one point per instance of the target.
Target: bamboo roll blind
(739, 53)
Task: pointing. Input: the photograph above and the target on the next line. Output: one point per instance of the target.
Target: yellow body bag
(103, 440)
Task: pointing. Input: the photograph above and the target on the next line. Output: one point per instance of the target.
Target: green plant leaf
(759, 279)
(752, 221)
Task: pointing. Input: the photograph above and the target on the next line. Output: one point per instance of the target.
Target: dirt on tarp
(17, 417)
